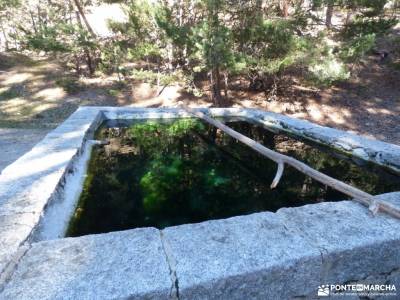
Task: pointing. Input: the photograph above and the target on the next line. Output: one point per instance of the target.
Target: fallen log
(357, 195)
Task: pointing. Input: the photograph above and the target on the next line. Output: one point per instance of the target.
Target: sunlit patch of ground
(35, 94)
(31, 95)
(368, 104)
(16, 78)
(52, 94)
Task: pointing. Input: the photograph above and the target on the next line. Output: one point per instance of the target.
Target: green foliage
(215, 180)
(301, 53)
(356, 48)
(394, 42)
(166, 168)
(202, 175)
(214, 38)
(213, 45)
(323, 66)
(114, 92)
(396, 65)
(371, 8)
(145, 76)
(70, 85)
(48, 39)
(273, 47)
(144, 51)
(156, 77)
(140, 23)
(141, 132)
(182, 127)
(4, 4)
(59, 37)
(179, 35)
(188, 41)
(267, 39)
(136, 38)
(139, 27)
(328, 70)
(160, 181)
(111, 57)
(368, 8)
(361, 27)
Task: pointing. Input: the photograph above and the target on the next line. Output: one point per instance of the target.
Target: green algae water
(164, 173)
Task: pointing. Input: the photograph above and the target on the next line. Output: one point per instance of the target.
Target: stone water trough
(282, 255)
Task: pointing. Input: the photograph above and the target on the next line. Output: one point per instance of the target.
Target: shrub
(70, 85)
(267, 39)
(154, 78)
(356, 48)
(328, 70)
(362, 27)
(144, 51)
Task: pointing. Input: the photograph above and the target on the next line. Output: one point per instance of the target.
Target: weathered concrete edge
(54, 220)
(382, 153)
(84, 121)
(297, 274)
(128, 264)
(370, 250)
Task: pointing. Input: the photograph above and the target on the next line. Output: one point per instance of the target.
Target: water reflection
(184, 171)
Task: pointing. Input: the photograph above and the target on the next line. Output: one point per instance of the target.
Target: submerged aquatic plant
(185, 171)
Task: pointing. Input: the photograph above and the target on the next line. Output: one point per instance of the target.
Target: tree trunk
(89, 61)
(39, 15)
(285, 8)
(77, 64)
(329, 13)
(16, 42)
(82, 13)
(86, 49)
(33, 22)
(349, 16)
(170, 56)
(226, 85)
(215, 80)
(6, 46)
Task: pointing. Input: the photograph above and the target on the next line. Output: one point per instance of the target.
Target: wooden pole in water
(281, 159)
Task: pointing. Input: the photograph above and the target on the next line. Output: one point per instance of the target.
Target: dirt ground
(31, 96)
(368, 104)
(15, 142)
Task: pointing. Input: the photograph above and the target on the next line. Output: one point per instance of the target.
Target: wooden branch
(278, 175)
(358, 195)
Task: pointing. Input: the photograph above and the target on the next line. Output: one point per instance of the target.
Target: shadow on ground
(34, 94)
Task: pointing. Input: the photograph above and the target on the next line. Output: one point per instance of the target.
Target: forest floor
(15, 142)
(33, 95)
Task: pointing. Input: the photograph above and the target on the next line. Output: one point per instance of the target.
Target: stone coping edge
(36, 180)
(282, 255)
